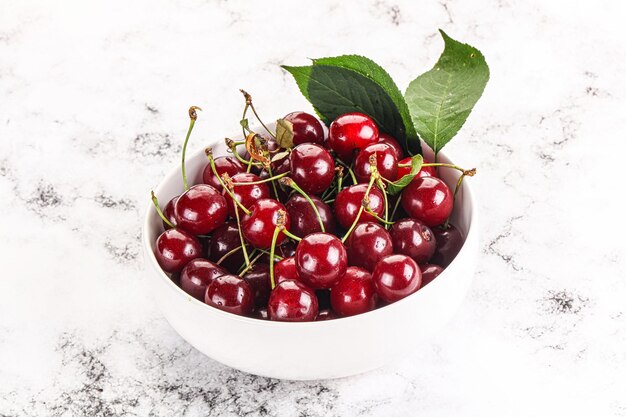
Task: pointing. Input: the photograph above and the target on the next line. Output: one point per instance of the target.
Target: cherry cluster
(297, 226)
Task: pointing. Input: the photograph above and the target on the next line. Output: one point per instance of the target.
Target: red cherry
(391, 141)
(285, 250)
(349, 200)
(351, 131)
(304, 221)
(168, 212)
(326, 314)
(367, 244)
(230, 293)
(428, 199)
(306, 128)
(423, 172)
(292, 301)
(223, 164)
(312, 168)
(386, 162)
(449, 244)
(258, 276)
(396, 276)
(247, 195)
(285, 270)
(197, 275)
(413, 238)
(175, 248)
(225, 239)
(321, 259)
(355, 293)
(430, 272)
(200, 210)
(260, 314)
(258, 226)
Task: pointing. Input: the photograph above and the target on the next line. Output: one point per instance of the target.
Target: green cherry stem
(158, 209)
(227, 254)
(289, 182)
(280, 226)
(381, 186)
(241, 239)
(271, 178)
(395, 208)
(252, 262)
(224, 180)
(366, 201)
(248, 98)
(456, 190)
(291, 235)
(276, 177)
(268, 253)
(349, 170)
(377, 217)
(192, 121)
(232, 148)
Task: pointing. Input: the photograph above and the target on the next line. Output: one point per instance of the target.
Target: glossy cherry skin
(423, 172)
(367, 244)
(396, 276)
(285, 270)
(260, 314)
(306, 128)
(258, 226)
(430, 272)
(413, 238)
(349, 132)
(258, 276)
(349, 200)
(174, 249)
(354, 293)
(223, 240)
(449, 244)
(197, 275)
(292, 301)
(230, 293)
(304, 221)
(386, 162)
(321, 259)
(312, 168)
(200, 210)
(326, 314)
(391, 141)
(223, 164)
(168, 212)
(247, 195)
(428, 199)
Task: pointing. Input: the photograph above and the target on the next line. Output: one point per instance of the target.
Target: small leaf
(244, 124)
(398, 185)
(280, 155)
(284, 133)
(441, 99)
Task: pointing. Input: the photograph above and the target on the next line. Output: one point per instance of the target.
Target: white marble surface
(93, 101)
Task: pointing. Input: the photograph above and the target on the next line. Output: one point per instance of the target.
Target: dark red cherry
(197, 275)
(304, 221)
(168, 212)
(258, 226)
(292, 301)
(449, 244)
(391, 141)
(258, 276)
(349, 200)
(200, 210)
(175, 248)
(321, 259)
(326, 314)
(312, 168)
(285, 270)
(355, 293)
(323, 298)
(349, 132)
(430, 272)
(260, 314)
(367, 244)
(223, 164)
(396, 276)
(224, 240)
(284, 250)
(423, 172)
(413, 238)
(247, 195)
(386, 162)
(306, 128)
(230, 293)
(428, 199)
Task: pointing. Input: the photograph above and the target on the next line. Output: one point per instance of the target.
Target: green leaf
(441, 99)
(351, 83)
(395, 187)
(284, 133)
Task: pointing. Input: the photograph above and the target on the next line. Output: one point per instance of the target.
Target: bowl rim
(149, 253)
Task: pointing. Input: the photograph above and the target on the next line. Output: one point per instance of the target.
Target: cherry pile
(308, 231)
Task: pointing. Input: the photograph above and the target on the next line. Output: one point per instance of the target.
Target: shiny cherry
(349, 132)
(223, 164)
(396, 276)
(367, 244)
(449, 244)
(261, 314)
(391, 141)
(247, 195)
(292, 301)
(224, 240)
(258, 226)
(200, 210)
(430, 272)
(423, 172)
(197, 275)
(326, 314)
(312, 168)
(230, 293)
(306, 128)
(349, 200)
(354, 293)
(413, 238)
(321, 259)
(285, 270)
(174, 249)
(386, 162)
(428, 199)
(304, 221)
(258, 276)
(168, 212)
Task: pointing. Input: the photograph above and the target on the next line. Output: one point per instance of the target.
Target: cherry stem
(227, 254)
(377, 217)
(289, 182)
(241, 239)
(248, 267)
(271, 178)
(158, 209)
(456, 190)
(280, 226)
(291, 235)
(275, 255)
(339, 177)
(381, 186)
(468, 172)
(232, 147)
(364, 203)
(192, 121)
(349, 170)
(225, 180)
(276, 177)
(248, 98)
(395, 208)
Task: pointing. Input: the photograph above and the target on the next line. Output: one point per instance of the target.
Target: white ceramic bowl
(312, 350)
